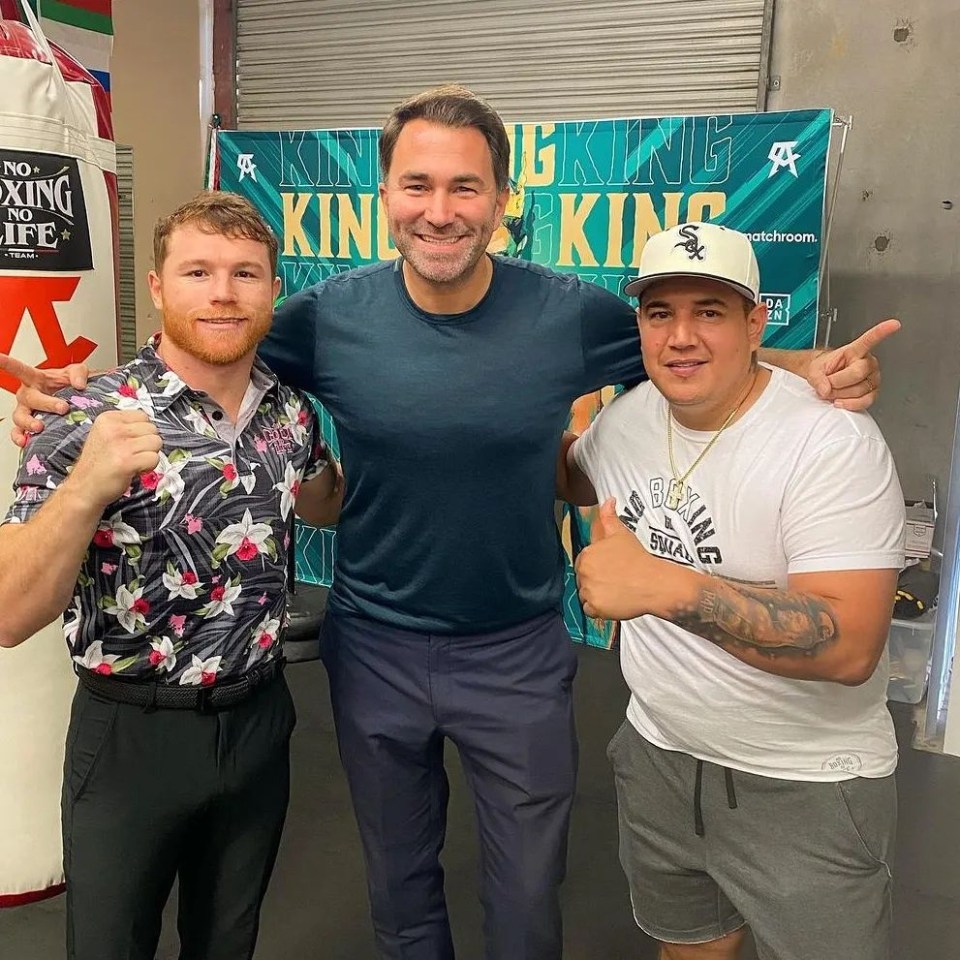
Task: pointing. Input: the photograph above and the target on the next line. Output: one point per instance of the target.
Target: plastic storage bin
(910, 642)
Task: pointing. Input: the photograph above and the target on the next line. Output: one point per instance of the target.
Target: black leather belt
(164, 696)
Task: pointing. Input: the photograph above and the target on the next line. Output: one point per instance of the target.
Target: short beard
(178, 330)
(442, 269)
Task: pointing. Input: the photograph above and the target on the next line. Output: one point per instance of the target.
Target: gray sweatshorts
(805, 865)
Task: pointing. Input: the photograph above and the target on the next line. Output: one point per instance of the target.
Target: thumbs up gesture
(607, 523)
(616, 576)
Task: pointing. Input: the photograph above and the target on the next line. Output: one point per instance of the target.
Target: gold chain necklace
(676, 493)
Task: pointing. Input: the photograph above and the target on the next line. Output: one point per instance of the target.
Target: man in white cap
(749, 541)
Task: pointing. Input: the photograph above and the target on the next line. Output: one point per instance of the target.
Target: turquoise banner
(585, 197)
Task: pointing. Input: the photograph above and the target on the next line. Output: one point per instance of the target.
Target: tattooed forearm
(775, 622)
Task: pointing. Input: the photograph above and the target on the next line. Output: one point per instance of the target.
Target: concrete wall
(895, 247)
(155, 75)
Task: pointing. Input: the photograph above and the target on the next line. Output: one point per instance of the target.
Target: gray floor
(316, 907)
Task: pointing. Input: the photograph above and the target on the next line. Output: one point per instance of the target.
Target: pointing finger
(870, 338)
(17, 368)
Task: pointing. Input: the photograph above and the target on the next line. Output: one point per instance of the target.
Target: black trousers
(153, 796)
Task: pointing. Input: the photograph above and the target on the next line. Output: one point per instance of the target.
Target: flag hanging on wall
(84, 28)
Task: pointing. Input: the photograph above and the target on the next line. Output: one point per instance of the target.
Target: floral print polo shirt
(185, 580)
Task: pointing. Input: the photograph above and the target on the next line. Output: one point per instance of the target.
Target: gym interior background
(893, 252)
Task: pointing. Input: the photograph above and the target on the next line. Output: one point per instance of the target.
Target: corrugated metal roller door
(341, 63)
(127, 320)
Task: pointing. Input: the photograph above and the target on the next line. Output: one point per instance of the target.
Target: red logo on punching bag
(20, 296)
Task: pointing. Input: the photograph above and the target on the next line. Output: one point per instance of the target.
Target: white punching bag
(58, 296)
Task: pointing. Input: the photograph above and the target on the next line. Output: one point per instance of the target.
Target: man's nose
(223, 288)
(682, 331)
(439, 210)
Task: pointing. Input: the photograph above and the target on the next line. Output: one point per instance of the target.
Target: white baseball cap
(699, 250)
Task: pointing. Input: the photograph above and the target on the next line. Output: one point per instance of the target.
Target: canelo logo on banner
(43, 229)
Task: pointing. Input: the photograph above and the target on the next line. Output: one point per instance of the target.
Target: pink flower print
(35, 466)
(103, 538)
(132, 395)
(260, 445)
(289, 487)
(265, 635)
(94, 658)
(104, 669)
(200, 672)
(297, 418)
(286, 541)
(128, 607)
(186, 584)
(72, 627)
(177, 623)
(84, 403)
(215, 579)
(221, 600)
(166, 482)
(229, 472)
(162, 655)
(194, 524)
(113, 532)
(108, 568)
(262, 599)
(247, 536)
(247, 550)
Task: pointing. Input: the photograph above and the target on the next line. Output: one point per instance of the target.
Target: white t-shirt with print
(794, 486)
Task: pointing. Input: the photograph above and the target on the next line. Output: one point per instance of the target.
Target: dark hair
(222, 213)
(450, 106)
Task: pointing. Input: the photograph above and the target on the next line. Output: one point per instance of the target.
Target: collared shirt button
(217, 415)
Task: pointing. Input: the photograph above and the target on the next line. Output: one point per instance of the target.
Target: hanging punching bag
(58, 296)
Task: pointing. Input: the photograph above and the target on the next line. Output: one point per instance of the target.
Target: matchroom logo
(43, 220)
(778, 308)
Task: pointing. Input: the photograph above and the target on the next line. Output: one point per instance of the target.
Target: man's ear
(756, 324)
(503, 198)
(153, 282)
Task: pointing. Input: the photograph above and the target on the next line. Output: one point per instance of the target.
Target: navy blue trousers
(504, 700)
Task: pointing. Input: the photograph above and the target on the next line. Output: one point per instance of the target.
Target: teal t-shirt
(449, 428)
